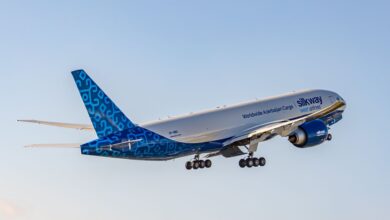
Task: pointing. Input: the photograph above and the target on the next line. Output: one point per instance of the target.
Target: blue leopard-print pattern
(106, 117)
(151, 146)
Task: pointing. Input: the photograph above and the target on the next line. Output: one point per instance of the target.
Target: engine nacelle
(309, 134)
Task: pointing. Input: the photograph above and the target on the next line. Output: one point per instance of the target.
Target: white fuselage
(229, 121)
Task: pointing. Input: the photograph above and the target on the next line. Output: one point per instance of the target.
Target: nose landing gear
(329, 137)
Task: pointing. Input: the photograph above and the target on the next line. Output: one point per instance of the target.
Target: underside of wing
(60, 124)
(284, 128)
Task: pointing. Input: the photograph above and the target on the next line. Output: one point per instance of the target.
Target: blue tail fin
(106, 117)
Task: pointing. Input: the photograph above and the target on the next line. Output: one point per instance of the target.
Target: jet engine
(309, 134)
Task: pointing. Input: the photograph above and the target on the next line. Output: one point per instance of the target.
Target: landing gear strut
(329, 137)
(252, 161)
(198, 164)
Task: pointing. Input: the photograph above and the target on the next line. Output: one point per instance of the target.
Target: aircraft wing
(284, 128)
(60, 124)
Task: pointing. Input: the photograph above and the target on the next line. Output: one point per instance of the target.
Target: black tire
(256, 162)
(329, 137)
(242, 163)
(208, 163)
(195, 165)
(249, 162)
(202, 164)
(188, 165)
(262, 161)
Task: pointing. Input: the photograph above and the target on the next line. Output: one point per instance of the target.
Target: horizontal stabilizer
(75, 145)
(60, 124)
(125, 145)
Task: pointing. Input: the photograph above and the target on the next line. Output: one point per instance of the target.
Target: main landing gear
(252, 161)
(198, 164)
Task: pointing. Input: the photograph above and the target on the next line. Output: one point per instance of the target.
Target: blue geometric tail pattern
(106, 117)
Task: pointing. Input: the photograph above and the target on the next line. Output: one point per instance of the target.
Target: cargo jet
(302, 117)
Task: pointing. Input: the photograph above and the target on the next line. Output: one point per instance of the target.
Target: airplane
(303, 117)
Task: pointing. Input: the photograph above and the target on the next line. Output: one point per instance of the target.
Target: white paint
(226, 122)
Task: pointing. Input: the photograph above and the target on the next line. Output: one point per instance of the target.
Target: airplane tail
(106, 117)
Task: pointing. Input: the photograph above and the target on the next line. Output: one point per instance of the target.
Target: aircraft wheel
(208, 163)
(195, 165)
(256, 162)
(188, 165)
(262, 161)
(249, 162)
(242, 163)
(329, 137)
(201, 164)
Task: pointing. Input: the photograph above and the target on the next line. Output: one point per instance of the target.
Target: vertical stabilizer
(106, 117)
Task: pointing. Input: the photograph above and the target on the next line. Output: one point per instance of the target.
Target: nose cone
(339, 98)
(342, 101)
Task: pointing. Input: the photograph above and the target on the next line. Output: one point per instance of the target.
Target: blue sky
(159, 58)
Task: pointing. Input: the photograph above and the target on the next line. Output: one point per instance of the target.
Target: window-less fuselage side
(304, 117)
(227, 122)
